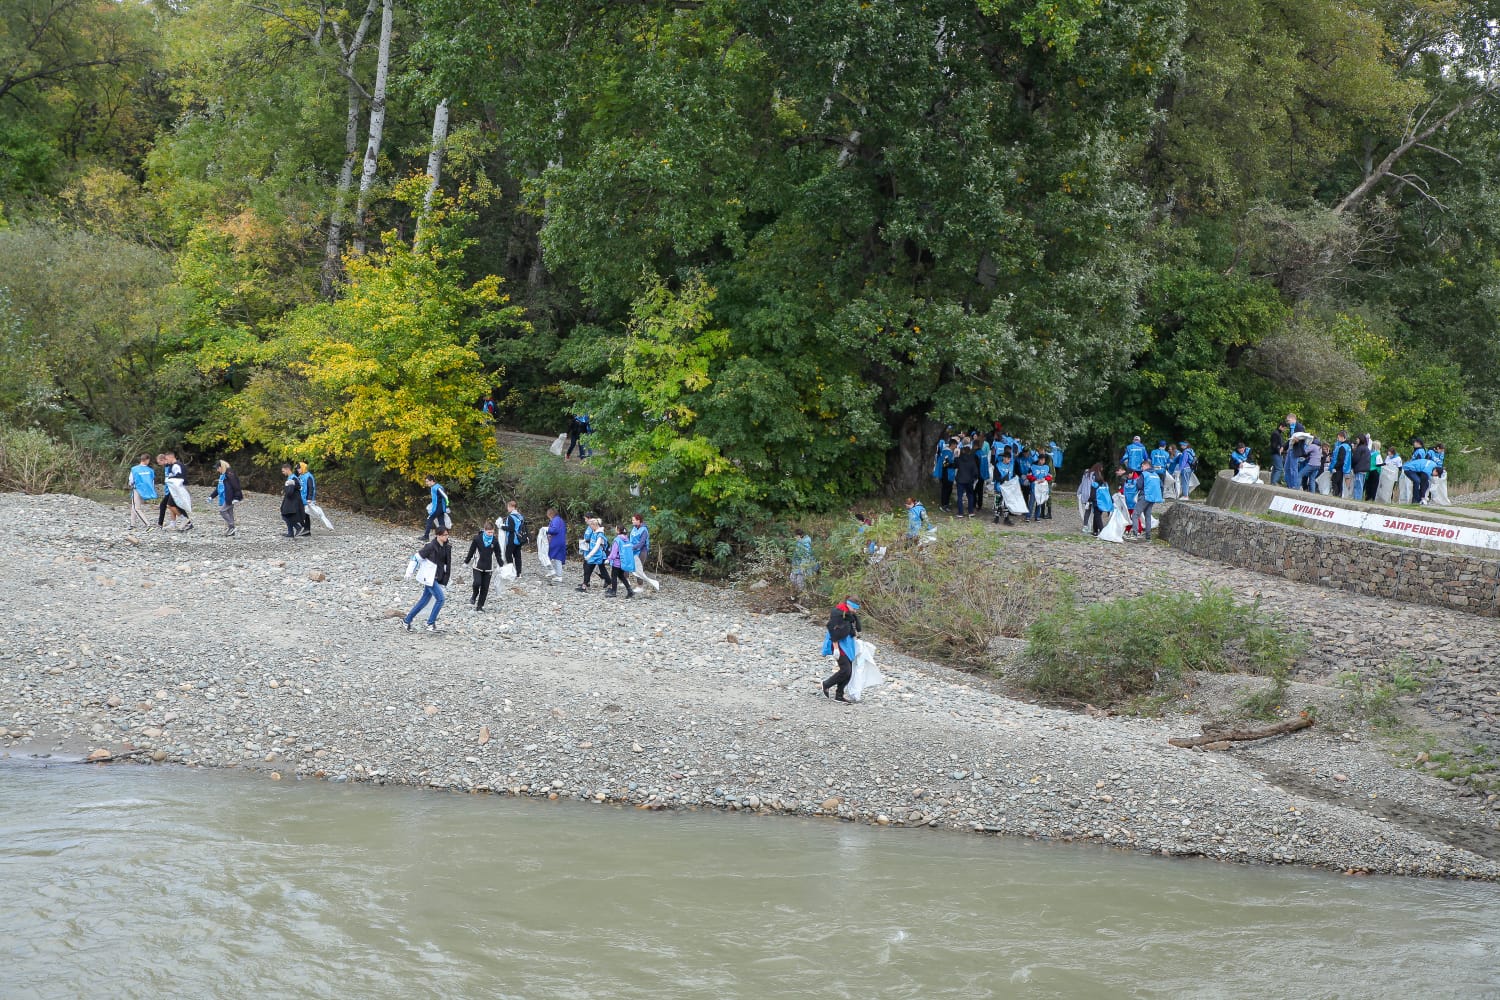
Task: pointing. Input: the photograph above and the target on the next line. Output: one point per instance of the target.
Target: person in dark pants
(621, 563)
(484, 553)
(843, 628)
(440, 554)
(292, 507)
(513, 530)
(966, 473)
(437, 506)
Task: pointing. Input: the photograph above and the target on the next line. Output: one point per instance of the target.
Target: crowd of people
(616, 557)
(1356, 468)
(1021, 475)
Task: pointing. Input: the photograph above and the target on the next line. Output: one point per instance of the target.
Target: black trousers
(513, 555)
(588, 572)
(617, 577)
(481, 588)
(1372, 484)
(840, 676)
(1336, 484)
(947, 493)
(293, 522)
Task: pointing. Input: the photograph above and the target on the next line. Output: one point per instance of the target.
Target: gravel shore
(289, 657)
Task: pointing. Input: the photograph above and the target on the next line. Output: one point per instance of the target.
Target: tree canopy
(771, 249)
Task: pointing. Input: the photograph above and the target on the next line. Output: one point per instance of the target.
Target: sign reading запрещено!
(1384, 523)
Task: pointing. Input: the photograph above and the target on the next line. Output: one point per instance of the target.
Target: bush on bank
(946, 600)
(1116, 650)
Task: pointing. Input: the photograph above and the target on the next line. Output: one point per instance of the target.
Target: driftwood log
(1219, 739)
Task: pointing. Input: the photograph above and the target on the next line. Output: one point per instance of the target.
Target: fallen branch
(1303, 721)
(95, 758)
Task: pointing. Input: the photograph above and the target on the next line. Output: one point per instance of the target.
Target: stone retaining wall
(1343, 562)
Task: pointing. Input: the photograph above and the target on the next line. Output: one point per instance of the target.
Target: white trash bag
(559, 446)
(318, 513)
(1388, 475)
(181, 499)
(866, 674)
(1249, 473)
(1438, 491)
(1015, 500)
(1041, 492)
(1119, 520)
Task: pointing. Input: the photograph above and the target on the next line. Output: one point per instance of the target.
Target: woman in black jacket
(485, 546)
(439, 554)
(292, 507)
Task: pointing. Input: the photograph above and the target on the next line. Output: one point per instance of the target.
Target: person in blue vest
(227, 493)
(437, 506)
(1104, 502)
(916, 520)
(1187, 458)
(1238, 457)
(1160, 457)
(1418, 469)
(843, 629)
(1003, 469)
(1056, 452)
(1131, 488)
(1341, 463)
(621, 563)
(983, 452)
(513, 530)
(142, 491)
(640, 547)
(1151, 495)
(1038, 473)
(943, 471)
(595, 553)
(1135, 454)
(309, 488)
(1439, 456)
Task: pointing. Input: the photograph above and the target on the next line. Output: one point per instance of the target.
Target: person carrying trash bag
(843, 630)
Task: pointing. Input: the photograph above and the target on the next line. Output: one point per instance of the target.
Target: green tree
(385, 379)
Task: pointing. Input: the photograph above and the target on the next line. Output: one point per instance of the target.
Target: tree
(386, 379)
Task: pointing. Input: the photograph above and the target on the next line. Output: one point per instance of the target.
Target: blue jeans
(432, 592)
(1278, 469)
(1357, 491)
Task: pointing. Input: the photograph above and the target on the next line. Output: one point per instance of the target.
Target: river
(128, 881)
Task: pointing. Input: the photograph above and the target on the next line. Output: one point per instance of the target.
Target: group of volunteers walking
(1358, 467)
(298, 496)
(616, 557)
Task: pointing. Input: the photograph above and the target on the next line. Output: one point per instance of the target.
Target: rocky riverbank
(288, 657)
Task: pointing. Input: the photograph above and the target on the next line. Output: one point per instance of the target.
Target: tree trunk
(910, 463)
(377, 124)
(333, 264)
(434, 163)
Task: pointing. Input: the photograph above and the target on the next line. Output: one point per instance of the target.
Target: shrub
(948, 599)
(536, 480)
(1108, 652)
(32, 461)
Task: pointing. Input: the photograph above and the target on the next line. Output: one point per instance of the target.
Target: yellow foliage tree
(389, 375)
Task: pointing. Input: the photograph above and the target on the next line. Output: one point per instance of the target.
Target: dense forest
(771, 248)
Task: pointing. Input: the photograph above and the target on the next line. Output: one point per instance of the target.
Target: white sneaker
(432, 626)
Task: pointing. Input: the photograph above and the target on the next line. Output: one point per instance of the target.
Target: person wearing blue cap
(1186, 459)
(843, 628)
